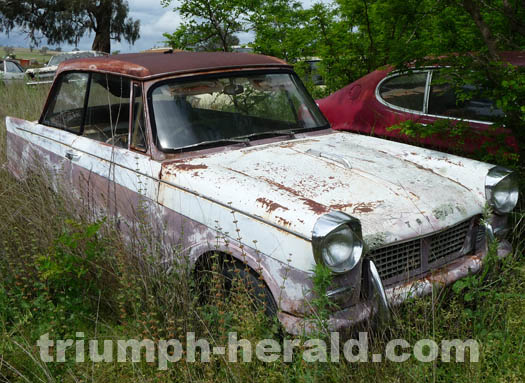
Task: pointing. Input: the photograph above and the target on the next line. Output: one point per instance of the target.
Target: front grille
(403, 260)
(397, 259)
(480, 236)
(448, 242)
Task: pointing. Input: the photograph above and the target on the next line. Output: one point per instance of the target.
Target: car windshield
(233, 108)
(55, 60)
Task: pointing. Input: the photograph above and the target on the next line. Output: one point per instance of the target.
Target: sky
(154, 21)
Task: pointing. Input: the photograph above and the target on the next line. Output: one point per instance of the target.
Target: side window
(107, 113)
(138, 128)
(66, 108)
(443, 101)
(12, 67)
(406, 91)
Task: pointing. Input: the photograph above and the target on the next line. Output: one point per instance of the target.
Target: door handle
(72, 156)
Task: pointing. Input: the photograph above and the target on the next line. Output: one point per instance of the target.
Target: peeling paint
(376, 240)
(270, 205)
(443, 211)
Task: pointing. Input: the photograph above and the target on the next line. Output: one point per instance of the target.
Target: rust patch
(414, 195)
(341, 206)
(315, 206)
(366, 207)
(282, 187)
(270, 205)
(185, 167)
(283, 221)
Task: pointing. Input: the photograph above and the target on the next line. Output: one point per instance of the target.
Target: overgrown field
(36, 54)
(63, 274)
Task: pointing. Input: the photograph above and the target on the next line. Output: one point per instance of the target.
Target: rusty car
(231, 156)
(386, 97)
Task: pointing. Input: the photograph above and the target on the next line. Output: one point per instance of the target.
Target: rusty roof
(148, 65)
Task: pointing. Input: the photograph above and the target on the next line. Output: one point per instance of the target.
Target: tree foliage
(209, 25)
(66, 21)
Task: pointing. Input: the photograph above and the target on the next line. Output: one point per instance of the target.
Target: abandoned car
(386, 97)
(232, 156)
(11, 71)
(46, 73)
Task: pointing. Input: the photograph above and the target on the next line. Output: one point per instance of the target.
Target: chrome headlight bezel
(499, 177)
(326, 230)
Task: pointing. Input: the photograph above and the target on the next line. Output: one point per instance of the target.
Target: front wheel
(235, 276)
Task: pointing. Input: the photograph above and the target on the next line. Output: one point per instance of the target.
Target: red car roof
(147, 65)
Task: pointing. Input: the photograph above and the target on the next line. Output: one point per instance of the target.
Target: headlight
(501, 189)
(337, 242)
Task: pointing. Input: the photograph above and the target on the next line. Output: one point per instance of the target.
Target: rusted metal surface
(356, 108)
(259, 202)
(152, 65)
(395, 195)
(396, 295)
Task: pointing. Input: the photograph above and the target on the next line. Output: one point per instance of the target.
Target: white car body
(417, 212)
(46, 73)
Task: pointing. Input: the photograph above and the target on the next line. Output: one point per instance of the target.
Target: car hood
(397, 191)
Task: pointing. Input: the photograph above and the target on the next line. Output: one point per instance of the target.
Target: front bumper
(396, 294)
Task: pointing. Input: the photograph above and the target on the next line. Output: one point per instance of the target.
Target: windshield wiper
(271, 133)
(221, 141)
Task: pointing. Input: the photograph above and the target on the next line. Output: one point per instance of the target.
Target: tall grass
(63, 273)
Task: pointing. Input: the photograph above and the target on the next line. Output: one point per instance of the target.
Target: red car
(387, 97)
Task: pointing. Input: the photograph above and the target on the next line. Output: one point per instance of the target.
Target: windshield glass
(55, 60)
(190, 113)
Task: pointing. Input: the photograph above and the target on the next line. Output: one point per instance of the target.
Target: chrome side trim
(412, 111)
(340, 290)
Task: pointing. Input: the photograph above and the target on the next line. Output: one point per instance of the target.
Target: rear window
(405, 91)
(443, 101)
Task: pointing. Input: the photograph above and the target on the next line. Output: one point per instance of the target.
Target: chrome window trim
(426, 97)
(413, 111)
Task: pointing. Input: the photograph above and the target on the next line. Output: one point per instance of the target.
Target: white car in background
(10, 71)
(46, 73)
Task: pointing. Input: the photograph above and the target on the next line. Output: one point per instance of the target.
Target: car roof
(151, 65)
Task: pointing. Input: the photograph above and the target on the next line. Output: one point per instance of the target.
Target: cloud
(154, 21)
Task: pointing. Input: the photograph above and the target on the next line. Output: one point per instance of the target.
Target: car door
(112, 165)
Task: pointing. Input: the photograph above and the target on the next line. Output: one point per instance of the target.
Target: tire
(230, 270)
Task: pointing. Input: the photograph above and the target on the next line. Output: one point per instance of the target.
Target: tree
(211, 24)
(282, 29)
(67, 21)
(8, 50)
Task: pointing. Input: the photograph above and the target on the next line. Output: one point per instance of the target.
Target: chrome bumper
(379, 300)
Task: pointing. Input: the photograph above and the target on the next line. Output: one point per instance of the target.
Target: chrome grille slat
(403, 260)
(448, 242)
